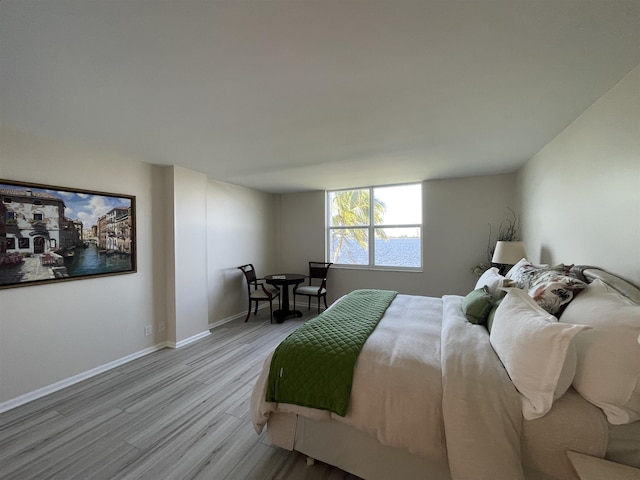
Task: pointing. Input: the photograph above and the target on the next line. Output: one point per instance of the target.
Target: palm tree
(351, 208)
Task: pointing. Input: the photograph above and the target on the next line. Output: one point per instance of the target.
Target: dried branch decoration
(506, 233)
(509, 231)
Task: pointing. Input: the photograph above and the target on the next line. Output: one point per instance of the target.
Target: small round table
(283, 281)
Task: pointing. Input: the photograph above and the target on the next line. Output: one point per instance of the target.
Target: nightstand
(594, 468)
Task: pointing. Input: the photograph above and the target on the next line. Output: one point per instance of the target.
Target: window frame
(371, 228)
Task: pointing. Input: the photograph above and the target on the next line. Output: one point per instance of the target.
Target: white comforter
(481, 407)
(399, 367)
(429, 381)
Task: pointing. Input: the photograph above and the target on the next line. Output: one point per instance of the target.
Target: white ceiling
(312, 94)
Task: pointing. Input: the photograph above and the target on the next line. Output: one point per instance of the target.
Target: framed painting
(55, 234)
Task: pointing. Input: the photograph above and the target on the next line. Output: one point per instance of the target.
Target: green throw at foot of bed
(313, 367)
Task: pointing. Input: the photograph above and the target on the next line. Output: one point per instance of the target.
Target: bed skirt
(349, 449)
(355, 452)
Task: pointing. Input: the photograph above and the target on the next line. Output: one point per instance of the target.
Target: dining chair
(317, 286)
(258, 291)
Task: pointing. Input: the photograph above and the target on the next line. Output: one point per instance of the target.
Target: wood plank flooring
(173, 414)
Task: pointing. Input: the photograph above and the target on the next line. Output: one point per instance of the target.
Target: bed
(436, 395)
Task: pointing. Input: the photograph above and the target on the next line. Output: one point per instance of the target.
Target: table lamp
(508, 254)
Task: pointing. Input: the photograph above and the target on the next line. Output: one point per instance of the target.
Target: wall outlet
(148, 330)
(161, 327)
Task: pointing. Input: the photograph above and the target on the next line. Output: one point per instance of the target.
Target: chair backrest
(250, 275)
(318, 270)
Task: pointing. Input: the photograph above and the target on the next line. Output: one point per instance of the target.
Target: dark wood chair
(317, 286)
(258, 291)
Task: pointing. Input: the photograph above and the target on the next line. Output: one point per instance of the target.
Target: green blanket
(313, 366)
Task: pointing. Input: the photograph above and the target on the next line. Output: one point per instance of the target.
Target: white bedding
(481, 407)
(429, 382)
(399, 366)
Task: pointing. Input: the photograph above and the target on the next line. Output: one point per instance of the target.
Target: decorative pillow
(533, 348)
(553, 292)
(522, 272)
(477, 304)
(494, 282)
(517, 269)
(525, 274)
(608, 373)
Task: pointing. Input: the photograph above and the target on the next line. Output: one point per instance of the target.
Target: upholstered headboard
(624, 440)
(590, 273)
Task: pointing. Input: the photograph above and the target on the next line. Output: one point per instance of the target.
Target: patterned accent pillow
(526, 274)
(553, 291)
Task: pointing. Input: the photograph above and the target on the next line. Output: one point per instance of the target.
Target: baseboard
(217, 323)
(67, 382)
(187, 341)
(297, 305)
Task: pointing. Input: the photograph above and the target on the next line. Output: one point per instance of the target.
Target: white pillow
(493, 281)
(608, 373)
(568, 372)
(533, 347)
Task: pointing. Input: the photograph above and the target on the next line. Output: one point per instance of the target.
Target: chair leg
(318, 304)
(325, 301)
(309, 306)
(256, 310)
(271, 311)
(248, 313)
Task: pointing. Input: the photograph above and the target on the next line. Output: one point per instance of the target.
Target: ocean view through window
(376, 227)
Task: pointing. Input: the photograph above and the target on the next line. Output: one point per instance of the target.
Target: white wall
(187, 233)
(241, 228)
(456, 216)
(51, 332)
(301, 236)
(581, 193)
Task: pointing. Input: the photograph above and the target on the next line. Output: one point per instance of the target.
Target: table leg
(285, 312)
(285, 299)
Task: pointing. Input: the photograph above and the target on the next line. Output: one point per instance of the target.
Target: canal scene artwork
(51, 234)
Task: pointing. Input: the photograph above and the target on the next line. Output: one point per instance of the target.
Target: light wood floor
(173, 414)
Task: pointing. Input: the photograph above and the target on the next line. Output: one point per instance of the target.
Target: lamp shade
(508, 253)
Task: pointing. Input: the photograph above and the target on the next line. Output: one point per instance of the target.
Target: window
(38, 217)
(6, 200)
(376, 227)
(10, 215)
(23, 243)
(11, 243)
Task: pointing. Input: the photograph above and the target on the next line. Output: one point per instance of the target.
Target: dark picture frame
(54, 234)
